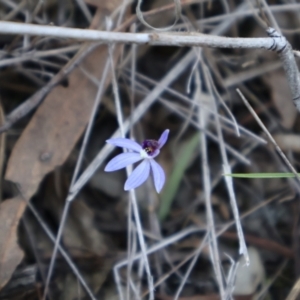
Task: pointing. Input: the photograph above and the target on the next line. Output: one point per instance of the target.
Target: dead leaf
(55, 128)
(281, 96)
(47, 141)
(288, 142)
(105, 5)
(10, 253)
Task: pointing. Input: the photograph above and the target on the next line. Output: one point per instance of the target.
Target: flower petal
(125, 143)
(122, 160)
(155, 153)
(138, 176)
(158, 175)
(163, 138)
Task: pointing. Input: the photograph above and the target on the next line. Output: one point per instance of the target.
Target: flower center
(149, 146)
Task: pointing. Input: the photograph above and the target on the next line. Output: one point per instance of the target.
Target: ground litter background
(53, 83)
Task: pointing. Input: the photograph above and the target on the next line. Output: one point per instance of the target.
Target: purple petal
(122, 161)
(138, 176)
(163, 138)
(155, 153)
(125, 143)
(158, 175)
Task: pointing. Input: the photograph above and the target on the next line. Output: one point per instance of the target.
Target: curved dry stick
(285, 52)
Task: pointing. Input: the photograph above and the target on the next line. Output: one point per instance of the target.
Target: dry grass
(63, 95)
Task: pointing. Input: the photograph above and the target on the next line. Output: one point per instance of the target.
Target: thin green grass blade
(182, 162)
(262, 175)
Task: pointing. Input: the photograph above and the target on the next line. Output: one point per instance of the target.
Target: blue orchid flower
(146, 152)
